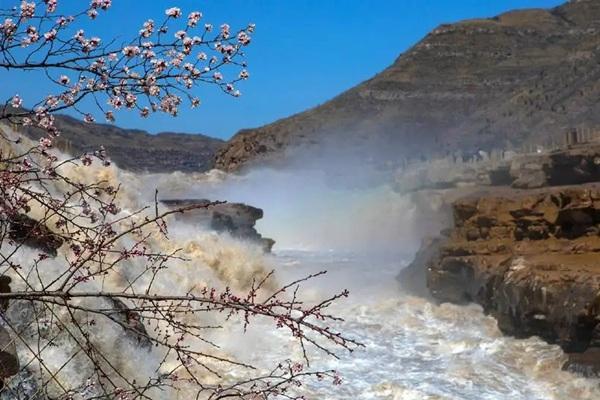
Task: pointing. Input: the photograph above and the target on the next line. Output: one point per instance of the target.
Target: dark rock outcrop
(529, 258)
(521, 78)
(9, 362)
(237, 219)
(29, 232)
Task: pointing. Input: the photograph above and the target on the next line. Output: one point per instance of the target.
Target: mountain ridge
(135, 149)
(524, 76)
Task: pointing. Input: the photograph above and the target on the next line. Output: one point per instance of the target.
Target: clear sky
(303, 53)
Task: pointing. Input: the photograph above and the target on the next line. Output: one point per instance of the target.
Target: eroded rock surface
(237, 219)
(531, 259)
(25, 230)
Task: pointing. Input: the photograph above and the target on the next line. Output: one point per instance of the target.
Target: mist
(322, 202)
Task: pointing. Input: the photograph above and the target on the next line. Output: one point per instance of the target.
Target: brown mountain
(523, 77)
(134, 149)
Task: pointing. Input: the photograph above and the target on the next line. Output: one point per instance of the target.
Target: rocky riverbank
(530, 258)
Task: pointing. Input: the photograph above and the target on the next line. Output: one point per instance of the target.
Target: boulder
(9, 362)
(237, 219)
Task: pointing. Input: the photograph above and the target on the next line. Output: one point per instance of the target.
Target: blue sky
(303, 53)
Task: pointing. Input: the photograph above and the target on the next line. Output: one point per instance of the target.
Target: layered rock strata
(531, 259)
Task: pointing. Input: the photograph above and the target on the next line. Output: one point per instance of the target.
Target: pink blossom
(195, 102)
(64, 80)
(193, 18)
(208, 27)
(8, 27)
(225, 31)
(159, 65)
(50, 35)
(32, 35)
(92, 13)
(229, 49)
(67, 98)
(147, 29)
(244, 74)
(130, 100)
(217, 76)
(176, 62)
(27, 10)
(45, 143)
(202, 56)
(169, 104)
(16, 101)
(145, 112)
(102, 4)
(243, 38)
(180, 34)
(173, 12)
(116, 102)
(51, 5)
(148, 54)
(79, 36)
(131, 51)
(88, 118)
(110, 117)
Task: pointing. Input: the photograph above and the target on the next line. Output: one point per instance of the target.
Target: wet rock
(29, 232)
(131, 321)
(536, 269)
(4, 288)
(9, 361)
(237, 219)
(413, 277)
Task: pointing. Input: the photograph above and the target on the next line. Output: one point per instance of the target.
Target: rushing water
(418, 350)
(413, 349)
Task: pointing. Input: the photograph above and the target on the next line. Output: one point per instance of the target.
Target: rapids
(363, 236)
(415, 350)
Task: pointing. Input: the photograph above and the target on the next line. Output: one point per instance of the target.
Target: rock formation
(26, 230)
(237, 219)
(576, 164)
(530, 258)
(523, 77)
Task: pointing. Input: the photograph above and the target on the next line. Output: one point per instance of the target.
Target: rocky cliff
(530, 258)
(521, 77)
(136, 150)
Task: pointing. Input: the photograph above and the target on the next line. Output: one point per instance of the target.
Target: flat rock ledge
(530, 258)
(237, 219)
